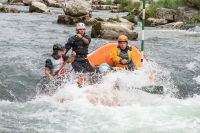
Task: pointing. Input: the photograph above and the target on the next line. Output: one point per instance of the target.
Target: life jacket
(80, 48)
(57, 64)
(125, 54)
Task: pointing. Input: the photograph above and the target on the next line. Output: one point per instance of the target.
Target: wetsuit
(54, 64)
(81, 63)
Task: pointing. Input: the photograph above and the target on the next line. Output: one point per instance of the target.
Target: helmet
(122, 38)
(104, 68)
(57, 47)
(80, 26)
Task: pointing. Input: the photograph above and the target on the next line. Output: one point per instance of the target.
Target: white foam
(191, 66)
(197, 79)
(195, 29)
(197, 58)
(149, 74)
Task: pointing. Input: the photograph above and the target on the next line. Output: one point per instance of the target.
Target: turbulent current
(173, 57)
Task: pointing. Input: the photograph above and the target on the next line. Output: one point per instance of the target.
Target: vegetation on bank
(171, 4)
(174, 4)
(195, 20)
(127, 5)
(134, 9)
(108, 2)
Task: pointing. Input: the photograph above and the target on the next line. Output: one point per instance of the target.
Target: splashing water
(120, 87)
(95, 108)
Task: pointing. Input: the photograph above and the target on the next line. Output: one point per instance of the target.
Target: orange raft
(102, 55)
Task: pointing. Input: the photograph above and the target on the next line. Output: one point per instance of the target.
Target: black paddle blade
(152, 89)
(42, 85)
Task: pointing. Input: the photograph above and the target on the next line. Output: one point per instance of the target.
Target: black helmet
(57, 47)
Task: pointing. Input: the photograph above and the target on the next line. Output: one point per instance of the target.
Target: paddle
(152, 89)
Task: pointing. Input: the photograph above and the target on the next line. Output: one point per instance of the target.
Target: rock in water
(4, 9)
(100, 2)
(52, 3)
(69, 20)
(155, 22)
(14, 1)
(75, 11)
(38, 7)
(111, 30)
(77, 8)
(28, 2)
(167, 14)
(185, 14)
(174, 25)
(104, 7)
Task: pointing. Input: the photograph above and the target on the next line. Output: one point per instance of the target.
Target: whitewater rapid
(26, 40)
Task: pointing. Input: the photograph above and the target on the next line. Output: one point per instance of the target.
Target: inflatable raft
(102, 55)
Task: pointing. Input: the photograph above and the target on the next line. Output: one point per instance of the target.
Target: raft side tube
(102, 55)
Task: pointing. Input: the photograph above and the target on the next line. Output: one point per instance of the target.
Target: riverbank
(170, 14)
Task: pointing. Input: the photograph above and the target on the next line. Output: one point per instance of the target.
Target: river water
(26, 41)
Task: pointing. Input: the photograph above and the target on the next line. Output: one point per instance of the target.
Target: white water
(26, 40)
(138, 112)
(135, 111)
(194, 67)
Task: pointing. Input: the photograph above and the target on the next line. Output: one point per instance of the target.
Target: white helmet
(104, 68)
(80, 26)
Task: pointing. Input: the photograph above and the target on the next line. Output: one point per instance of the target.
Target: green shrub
(127, 5)
(195, 20)
(171, 4)
(193, 3)
(108, 2)
(130, 17)
(124, 3)
(151, 11)
(116, 1)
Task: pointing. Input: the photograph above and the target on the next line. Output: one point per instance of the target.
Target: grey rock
(174, 25)
(111, 30)
(77, 8)
(185, 14)
(70, 20)
(5, 9)
(167, 14)
(38, 7)
(156, 22)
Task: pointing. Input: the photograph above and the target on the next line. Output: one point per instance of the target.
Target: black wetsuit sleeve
(65, 57)
(48, 64)
(88, 37)
(69, 43)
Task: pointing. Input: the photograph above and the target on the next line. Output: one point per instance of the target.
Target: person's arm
(48, 67)
(69, 44)
(67, 59)
(114, 56)
(47, 73)
(86, 39)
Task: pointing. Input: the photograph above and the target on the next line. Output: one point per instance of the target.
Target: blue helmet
(104, 68)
